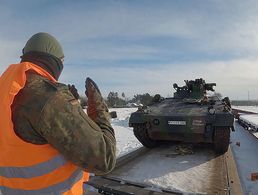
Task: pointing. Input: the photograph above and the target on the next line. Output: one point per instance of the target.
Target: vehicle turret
(194, 89)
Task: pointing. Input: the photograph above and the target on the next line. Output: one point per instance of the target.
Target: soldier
(48, 144)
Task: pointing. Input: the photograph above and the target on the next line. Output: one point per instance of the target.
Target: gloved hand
(74, 91)
(97, 108)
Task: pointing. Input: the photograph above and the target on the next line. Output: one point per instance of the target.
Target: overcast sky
(142, 46)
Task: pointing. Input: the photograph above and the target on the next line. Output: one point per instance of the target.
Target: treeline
(116, 100)
(244, 102)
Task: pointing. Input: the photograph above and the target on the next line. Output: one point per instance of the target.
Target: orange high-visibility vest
(27, 168)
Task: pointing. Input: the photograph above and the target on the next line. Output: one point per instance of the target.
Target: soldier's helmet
(46, 43)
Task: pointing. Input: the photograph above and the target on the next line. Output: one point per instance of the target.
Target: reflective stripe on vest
(27, 168)
(33, 171)
(57, 189)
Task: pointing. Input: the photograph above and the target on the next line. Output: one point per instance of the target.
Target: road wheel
(221, 139)
(141, 133)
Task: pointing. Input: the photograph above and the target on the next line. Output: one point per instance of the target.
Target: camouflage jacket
(45, 112)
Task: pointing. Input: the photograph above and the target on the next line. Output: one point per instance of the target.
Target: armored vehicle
(190, 116)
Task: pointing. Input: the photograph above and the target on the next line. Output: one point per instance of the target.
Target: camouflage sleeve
(66, 127)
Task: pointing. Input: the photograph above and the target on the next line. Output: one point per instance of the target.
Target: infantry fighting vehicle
(190, 116)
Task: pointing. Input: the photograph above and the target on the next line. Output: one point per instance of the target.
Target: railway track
(164, 171)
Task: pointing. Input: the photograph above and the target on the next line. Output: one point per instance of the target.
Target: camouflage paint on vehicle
(190, 116)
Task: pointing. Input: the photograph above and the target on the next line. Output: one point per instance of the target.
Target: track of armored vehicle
(190, 116)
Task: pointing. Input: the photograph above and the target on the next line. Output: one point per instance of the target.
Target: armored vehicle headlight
(211, 110)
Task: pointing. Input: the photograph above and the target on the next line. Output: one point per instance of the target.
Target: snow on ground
(164, 168)
(246, 156)
(126, 141)
(247, 108)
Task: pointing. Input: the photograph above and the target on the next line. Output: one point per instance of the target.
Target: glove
(74, 91)
(97, 108)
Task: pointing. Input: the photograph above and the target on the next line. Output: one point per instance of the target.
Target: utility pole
(248, 102)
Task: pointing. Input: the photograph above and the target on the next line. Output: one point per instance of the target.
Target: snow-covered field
(126, 141)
